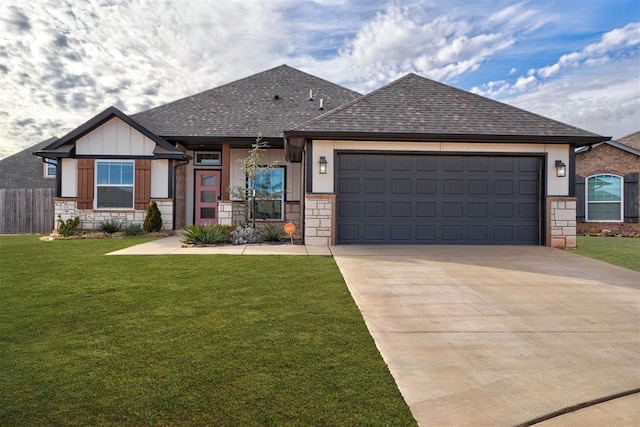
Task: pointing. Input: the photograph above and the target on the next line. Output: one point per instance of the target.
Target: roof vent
(276, 96)
(321, 104)
(310, 94)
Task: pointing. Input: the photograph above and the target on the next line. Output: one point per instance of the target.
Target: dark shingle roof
(24, 170)
(632, 140)
(247, 107)
(417, 107)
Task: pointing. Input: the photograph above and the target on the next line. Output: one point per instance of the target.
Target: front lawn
(87, 339)
(624, 252)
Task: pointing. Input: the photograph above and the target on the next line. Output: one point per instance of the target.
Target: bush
(111, 226)
(271, 233)
(204, 234)
(133, 230)
(243, 235)
(69, 227)
(153, 218)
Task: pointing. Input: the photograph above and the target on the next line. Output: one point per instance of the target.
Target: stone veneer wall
(230, 212)
(91, 219)
(561, 222)
(319, 214)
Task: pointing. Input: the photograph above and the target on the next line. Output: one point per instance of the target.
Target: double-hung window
(269, 193)
(114, 184)
(604, 198)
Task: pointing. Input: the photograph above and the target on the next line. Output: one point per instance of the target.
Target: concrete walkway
(499, 336)
(172, 246)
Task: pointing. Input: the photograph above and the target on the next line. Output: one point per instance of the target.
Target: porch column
(226, 170)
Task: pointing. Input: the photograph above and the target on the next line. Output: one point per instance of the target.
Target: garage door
(440, 199)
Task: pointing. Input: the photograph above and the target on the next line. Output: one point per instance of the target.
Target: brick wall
(607, 159)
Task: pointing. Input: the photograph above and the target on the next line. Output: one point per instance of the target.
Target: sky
(64, 61)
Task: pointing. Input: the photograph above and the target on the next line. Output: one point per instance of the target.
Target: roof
(617, 144)
(263, 104)
(24, 170)
(632, 140)
(417, 108)
(64, 147)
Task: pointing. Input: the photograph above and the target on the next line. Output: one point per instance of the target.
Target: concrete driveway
(499, 336)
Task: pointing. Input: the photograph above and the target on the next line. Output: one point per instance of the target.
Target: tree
(252, 165)
(153, 218)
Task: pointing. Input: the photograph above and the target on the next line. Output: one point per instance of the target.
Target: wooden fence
(26, 211)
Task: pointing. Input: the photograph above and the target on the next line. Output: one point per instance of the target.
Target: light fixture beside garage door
(561, 169)
(323, 164)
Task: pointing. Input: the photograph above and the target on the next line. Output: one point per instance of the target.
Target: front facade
(415, 162)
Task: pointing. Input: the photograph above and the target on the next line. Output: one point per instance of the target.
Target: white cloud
(63, 61)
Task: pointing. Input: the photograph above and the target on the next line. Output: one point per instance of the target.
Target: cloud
(16, 20)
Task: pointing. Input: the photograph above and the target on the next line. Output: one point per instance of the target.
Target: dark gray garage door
(422, 199)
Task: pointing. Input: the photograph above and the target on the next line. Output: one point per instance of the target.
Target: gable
(115, 138)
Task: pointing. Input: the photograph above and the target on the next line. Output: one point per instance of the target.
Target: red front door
(207, 194)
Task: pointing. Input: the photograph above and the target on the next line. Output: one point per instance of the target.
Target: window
(114, 184)
(604, 198)
(50, 168)
(269, 192)
(204, 158)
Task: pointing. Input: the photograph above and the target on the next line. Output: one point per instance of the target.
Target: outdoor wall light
(323, 164)
(561, 169)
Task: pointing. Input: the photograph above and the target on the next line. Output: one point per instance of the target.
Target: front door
(207, 193)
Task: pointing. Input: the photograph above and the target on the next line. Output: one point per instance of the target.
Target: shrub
(133, 230)
(271, 233)
(69, 227)
(153, 219)
(110, 226)
(243, 235)
(208, 234)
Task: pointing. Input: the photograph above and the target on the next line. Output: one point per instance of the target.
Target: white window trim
(198, 163)
(96, 185)
(587, 202)
(46, 169)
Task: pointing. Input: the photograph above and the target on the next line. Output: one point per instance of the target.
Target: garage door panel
(374, 185)
(437, 199)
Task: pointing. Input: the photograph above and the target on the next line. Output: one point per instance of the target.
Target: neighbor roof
(632, 140)
(264, 104)
(24, 170)
(420, 109)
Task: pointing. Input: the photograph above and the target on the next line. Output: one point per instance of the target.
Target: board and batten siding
(115, 138)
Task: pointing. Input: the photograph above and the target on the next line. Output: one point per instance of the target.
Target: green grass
(87, 339)
(624, 252)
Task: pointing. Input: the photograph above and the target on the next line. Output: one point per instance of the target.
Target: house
(26, 192)
(24, 170)
(413, 162)
(607, 175)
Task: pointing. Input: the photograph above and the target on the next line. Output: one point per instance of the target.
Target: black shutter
(580, 199)
(631, 197)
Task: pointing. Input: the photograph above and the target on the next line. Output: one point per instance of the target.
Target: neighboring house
(26, 198)
(607, 176)
(414, 162)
